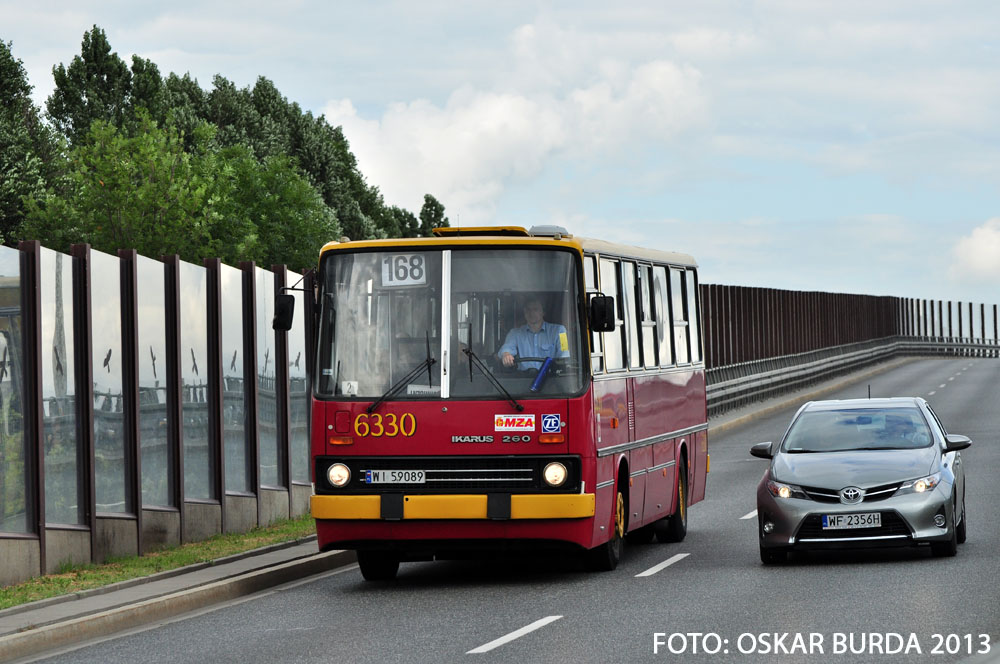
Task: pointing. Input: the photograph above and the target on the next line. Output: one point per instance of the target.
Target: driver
(535, 338)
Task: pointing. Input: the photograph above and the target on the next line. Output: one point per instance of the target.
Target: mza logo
(551, 424)
(514, 423)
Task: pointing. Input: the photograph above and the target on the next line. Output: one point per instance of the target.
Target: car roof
(853, 404)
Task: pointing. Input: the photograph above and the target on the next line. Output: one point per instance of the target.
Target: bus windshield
(512, 316)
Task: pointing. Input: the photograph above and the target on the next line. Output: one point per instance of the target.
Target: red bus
(497, 388)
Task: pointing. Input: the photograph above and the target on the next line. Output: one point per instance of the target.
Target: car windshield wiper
(799, 450)
(473, 358)
(406, 380)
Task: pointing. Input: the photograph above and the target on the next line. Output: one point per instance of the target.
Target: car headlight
(555, 474)
(782, 490)
(921, 485)
(339, 475)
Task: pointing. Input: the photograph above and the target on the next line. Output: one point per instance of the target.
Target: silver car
(862, 472)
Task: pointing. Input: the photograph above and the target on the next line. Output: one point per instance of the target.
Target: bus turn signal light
(341, 440)
(552, 438)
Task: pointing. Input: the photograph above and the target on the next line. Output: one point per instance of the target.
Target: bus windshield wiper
(473, 358)
(406, 380)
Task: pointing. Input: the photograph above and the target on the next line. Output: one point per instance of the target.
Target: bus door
(640, 457)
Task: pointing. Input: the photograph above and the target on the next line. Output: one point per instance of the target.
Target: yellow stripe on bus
(560, 506)
(346, 507)
(522, 506)
(444, 507)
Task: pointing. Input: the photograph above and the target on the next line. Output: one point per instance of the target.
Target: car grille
(873, 494)
(892, 525)
(507, 474)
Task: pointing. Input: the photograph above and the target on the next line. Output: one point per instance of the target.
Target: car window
(857, 429)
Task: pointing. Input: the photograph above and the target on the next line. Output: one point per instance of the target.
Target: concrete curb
(141, 580)
(77, 630)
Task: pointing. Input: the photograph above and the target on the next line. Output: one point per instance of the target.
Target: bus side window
(647, 324)
(694, 320)
(631, 314)
(678, 296)
(613, 357)
(661, 299)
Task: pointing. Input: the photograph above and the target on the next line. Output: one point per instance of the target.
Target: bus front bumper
(465, 506)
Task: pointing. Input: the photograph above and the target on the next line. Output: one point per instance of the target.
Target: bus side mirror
(284, 311)
(602, 313)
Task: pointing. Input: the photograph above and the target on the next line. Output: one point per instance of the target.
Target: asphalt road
(551, 610)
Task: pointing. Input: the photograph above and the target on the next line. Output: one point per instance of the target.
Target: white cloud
(468, 150)
(976, 256)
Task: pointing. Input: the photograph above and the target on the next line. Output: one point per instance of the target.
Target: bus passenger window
(694, 322)
(678, 304)
(647, 325)
(613, 358)
(631, 316)
(661, 298)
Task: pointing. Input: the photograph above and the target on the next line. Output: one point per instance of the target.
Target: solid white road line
(666, 563)
(749, 516)
(513, 635)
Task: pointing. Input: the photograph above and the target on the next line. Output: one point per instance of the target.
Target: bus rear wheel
(674, 528)
(606, 557)
(378, 565)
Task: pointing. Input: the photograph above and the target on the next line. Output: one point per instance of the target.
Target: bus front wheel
(605, 557)
(378, 565)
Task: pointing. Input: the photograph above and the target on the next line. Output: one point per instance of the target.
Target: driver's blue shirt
(547, 342)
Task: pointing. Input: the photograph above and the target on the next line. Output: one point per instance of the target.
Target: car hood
(835, 470)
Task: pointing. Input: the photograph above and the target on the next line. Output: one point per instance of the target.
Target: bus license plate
(842, 521)
(395, 477)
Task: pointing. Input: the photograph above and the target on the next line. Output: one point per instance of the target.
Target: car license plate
(395, 477)
(843, 521)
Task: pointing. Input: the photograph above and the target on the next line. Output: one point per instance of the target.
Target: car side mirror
(762, 451)
(284, 312)
(602, 313)
(955, 442)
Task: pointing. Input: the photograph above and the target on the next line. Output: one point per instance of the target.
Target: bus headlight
(338, 474)
(555, 474)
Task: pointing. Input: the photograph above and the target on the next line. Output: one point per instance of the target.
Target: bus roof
(551, 236)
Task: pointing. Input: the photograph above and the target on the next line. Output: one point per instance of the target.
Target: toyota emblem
(851, 495)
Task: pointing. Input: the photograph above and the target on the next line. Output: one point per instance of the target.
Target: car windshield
(857, 429)
(383, 312)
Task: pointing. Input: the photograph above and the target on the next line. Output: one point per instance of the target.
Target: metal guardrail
(740, 384)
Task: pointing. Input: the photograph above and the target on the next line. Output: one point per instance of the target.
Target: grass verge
(74, 578)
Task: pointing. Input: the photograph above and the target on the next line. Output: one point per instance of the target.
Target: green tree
(148, 90)
(288, 220)
(431, 215)
(95, 86)
(140, 191)
(186, 106)
(27, 146)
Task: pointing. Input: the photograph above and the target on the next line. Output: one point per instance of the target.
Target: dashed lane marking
(516, 634)
(932, 393)
(666, 563)
(749, 516)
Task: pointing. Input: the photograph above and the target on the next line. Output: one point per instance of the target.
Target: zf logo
(551, 424)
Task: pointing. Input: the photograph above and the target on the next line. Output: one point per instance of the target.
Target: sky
(848, 146)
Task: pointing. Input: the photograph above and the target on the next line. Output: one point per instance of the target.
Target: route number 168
(404, 270)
